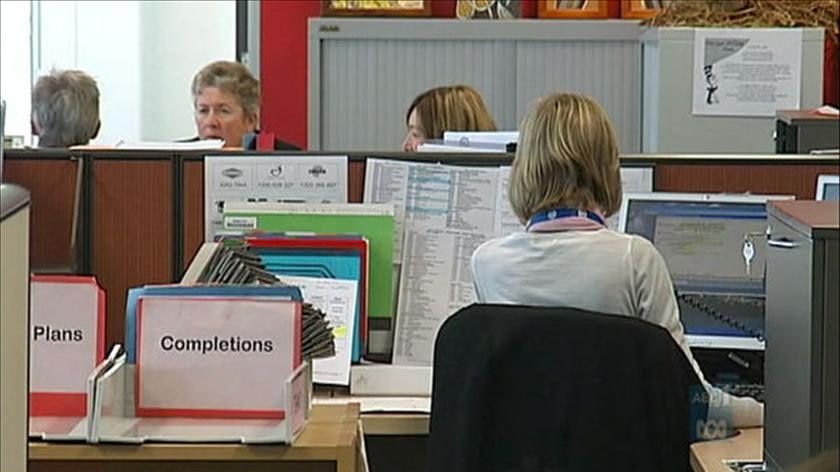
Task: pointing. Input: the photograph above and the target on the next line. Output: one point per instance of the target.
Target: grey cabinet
(363, 73)
(801, 361)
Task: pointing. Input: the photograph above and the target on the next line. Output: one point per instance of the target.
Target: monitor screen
(714, 248)
(828, 187)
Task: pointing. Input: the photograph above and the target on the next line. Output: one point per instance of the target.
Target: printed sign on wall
(747, 72)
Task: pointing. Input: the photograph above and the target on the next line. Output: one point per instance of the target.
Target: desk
(396, 438)
(708, 456)
(331, 441)
(383, 416)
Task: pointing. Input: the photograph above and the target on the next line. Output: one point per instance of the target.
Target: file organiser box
(113, 418)
(124, 410)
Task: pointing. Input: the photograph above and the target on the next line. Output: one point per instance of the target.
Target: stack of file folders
(235, 266)
(321, 256)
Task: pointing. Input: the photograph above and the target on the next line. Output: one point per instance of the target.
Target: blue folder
(134, 294)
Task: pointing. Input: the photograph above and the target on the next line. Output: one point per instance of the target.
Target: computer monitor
(828, 187)
(714, 247)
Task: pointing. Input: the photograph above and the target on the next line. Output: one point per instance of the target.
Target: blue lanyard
(559, 213)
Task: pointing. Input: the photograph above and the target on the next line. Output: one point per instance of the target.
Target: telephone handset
(696, 302)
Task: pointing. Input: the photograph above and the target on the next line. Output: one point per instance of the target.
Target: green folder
(377, 228)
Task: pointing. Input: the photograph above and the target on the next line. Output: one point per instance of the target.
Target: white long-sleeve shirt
(601, 271)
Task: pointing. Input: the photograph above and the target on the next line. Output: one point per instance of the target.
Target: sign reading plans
(216, 357)
(67, 340)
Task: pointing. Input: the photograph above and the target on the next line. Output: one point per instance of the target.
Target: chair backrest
(553, 389)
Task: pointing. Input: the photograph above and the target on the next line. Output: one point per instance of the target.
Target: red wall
(283, 65)
(283, 62)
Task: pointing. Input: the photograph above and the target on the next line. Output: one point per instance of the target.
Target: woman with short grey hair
(65, 109)
(227, 102)
(226, 97)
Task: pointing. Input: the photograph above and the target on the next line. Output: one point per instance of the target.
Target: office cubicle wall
(142, 213)
(742, 174)
(132, 226)
(54, 181)
(193, 206)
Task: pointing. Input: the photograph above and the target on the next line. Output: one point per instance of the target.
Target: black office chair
(520, 388)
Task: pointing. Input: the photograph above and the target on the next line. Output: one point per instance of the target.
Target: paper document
(436, 281)
(336, 298)
(418, 405)
(264, 179)
(170, 146)
(467, 138)
(506, 221)
(747, 71)
(433, 196)
(827, 110)
(455, 147)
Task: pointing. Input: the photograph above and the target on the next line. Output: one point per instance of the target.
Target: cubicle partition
(193, 206)
(132, 226)
(54, 180)
(741, 174)
(140, 214)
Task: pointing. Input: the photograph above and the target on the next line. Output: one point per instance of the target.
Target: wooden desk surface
(708, 456)
(332, 436)
(409, 416)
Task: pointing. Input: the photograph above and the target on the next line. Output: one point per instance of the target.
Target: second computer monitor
(714, 248)
(828, 187)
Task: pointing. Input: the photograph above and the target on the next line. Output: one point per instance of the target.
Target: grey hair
(233, 78)
(65, 108)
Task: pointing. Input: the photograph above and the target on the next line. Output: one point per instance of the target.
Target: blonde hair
(567, 157)
(451, 108)
(233, 78)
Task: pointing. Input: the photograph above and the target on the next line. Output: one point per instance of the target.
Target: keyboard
(743, 390)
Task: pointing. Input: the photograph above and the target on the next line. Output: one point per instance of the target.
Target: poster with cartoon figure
(746, 72)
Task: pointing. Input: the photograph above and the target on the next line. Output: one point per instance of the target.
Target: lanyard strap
(560, 213)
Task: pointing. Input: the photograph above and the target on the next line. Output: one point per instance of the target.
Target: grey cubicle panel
(668, 125)
(14, 326)
(363, 73)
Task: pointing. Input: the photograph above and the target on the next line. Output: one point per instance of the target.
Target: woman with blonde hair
(564, 182)
(449, 108)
